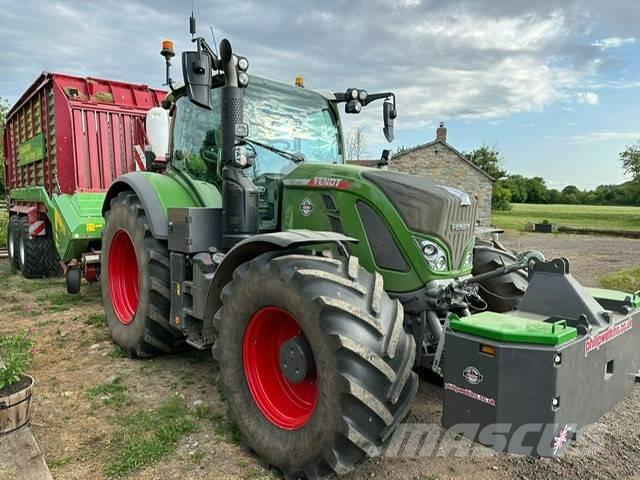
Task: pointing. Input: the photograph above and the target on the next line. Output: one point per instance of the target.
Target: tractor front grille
(431, 209)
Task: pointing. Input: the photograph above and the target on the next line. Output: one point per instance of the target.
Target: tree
(630, 159)
(518, 186)
(570, 190)
(487, 158)
(401, 149)
(355, 144)
(501, 197)
(4, 109)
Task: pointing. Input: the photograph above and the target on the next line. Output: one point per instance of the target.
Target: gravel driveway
(590, 256)
(608, 449)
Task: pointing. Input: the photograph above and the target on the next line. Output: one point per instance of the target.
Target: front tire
(135, 282)
(359, 384)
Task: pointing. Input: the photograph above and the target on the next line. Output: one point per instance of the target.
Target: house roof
(445, 144)
(363, 163)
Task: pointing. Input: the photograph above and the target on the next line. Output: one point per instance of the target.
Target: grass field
(591, 216)
(625, 280)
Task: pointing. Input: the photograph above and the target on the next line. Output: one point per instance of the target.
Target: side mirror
(197, 71)
(388, 115)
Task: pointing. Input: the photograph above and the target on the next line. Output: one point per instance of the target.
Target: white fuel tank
(158, 131)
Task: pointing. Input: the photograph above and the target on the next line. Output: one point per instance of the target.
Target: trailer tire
(37, 255)
(361, 355)
(502, 294)
(136, 281)
(13, 235)
(73, 280)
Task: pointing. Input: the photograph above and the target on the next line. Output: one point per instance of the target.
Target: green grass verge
(625, 280)
(589, 216)
(112, 393)
(145, 437)
(4, 220)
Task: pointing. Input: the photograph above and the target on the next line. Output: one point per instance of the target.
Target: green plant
(96, 320)
(15, 357)
(4, 219)
(144, 437)
(112, 393)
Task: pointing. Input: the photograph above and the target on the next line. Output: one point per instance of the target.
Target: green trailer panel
(76, 219)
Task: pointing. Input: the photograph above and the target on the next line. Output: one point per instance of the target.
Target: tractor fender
(147, 195)
(157, 192)
(251, 248)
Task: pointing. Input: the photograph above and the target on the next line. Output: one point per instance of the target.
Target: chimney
(441, 133)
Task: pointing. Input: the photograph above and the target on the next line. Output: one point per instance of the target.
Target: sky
(554, 84)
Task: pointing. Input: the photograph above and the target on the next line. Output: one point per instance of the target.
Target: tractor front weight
(526, 382)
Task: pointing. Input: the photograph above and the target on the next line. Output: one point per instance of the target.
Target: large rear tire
(502, 294)
(359, 384)
(37, 255)
(135, 282)
(13, 235)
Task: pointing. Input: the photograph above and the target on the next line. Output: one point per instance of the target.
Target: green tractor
(321, 286)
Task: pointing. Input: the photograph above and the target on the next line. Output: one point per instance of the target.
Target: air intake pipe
(240, 218)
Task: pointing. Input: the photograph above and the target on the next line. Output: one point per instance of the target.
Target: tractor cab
(285, 123)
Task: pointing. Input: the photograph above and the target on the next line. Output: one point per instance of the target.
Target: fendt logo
(472, 375)
(460, 227)
(306, 207)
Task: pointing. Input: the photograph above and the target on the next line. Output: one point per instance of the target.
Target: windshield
(286, 117)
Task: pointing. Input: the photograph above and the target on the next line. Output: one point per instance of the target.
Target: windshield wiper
(294, 157)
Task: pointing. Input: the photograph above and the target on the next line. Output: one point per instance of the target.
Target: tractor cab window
(196, 137)
(292, 119)
(283, 116)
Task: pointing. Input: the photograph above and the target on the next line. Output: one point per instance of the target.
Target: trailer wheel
(73, 280)
(13, 234)
(314, 362)
(502, 294)
(37, 256)
(135, 281)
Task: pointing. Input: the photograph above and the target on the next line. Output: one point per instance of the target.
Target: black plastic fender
(148, 197)
(251, 248)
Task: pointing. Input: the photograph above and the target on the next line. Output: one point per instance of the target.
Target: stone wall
(444, 166)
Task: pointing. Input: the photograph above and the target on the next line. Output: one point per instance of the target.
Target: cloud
(590, 98)
(461, 59)
(600, 136)
(613, 42)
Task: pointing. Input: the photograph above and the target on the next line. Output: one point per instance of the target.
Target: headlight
(243, 79)
(243, 64)
(468, 259)
(429, 250)
(434, 255)
(240, 155)
(362, 95)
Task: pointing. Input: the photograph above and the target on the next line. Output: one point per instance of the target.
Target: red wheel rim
(123, 277)
(285, 404)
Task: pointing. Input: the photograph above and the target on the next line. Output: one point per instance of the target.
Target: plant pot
(546, 227)
(15, 405)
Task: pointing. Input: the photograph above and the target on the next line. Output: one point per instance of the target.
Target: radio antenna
(192, 22)
(213, 36)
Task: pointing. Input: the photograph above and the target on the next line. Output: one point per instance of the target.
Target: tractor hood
(431, 209)
(390, 213)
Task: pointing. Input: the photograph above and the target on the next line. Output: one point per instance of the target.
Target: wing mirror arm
(355, 99)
